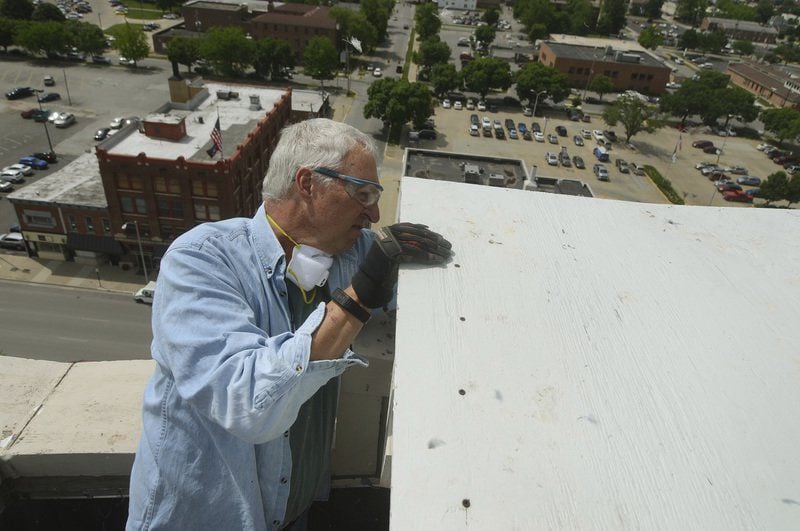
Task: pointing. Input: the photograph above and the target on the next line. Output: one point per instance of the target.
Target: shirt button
(283, 481)
(286, 433)
(269, 270)
(283, 293)
(276, 522)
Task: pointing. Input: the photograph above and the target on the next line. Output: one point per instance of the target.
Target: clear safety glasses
(367, 193)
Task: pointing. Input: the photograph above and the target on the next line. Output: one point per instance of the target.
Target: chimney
(255, 102)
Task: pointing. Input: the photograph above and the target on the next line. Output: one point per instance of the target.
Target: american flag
(216, 140)
(678, 147)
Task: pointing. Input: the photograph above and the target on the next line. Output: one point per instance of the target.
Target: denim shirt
(230, 377)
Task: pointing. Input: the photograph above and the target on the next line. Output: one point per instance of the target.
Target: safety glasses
(367, 193)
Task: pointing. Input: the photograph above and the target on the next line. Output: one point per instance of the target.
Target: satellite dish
(355, 43)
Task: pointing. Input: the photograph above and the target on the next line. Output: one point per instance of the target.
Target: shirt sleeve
(206, 336)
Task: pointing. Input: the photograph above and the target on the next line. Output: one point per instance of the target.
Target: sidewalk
(111, 278)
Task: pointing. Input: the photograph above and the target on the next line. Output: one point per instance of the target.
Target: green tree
(652, 9)
(377, 13)
(432, 52)
(694, 95)
(491, 16)
(612, 17)
(774, 188)
(43, 37)
(86, 37)
(782, 122)
(651, 38)
(744, 47)
(444, 78)
(355, 24)
(691, 11)
(487, 73)
(788, 53)
(534, 78)
(427, 23)
(485, 35)
(728, 102)
(270, 58)
(634, 115)
(16, 9)
(45, 11)
(167, 5)
(396, 102)
(320, 59)
(690, 39)
(228, 49)
(184, 51)
(8, 32)
(582, 17)
(131, 43)
(793, 190)
(714, 41)
(765, 11)
(601, 84)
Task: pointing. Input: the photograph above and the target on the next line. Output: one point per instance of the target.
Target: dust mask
(309, 267)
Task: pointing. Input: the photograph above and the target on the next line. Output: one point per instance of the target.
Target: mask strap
(313, 292)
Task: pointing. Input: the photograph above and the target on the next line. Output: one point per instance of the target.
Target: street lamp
(125, 228)
(536, 101)
(46, 131)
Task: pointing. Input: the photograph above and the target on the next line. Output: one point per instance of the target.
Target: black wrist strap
(349, 305)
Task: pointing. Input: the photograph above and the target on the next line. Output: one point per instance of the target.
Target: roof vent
(255, 102)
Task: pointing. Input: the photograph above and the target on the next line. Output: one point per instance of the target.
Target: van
(146, 294)
(601, 153)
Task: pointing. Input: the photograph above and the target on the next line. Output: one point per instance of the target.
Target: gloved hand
(403, 242)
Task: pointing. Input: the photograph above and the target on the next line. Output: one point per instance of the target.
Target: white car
(486, 122)
(473, 130)
(678, 61)
(117, 123)
(598, 135)
(708, 170)
(551, 158)
(6, 186)
(377, 72)
(762, 147)
(12, 176)
(538, 136)
(470, 105)
(26, 170)
(55, 115)
(673, 85)
(701, 165)
(585, 133)
(527, 111)
(65, 120)
(481, 105)
(457, 106)
(445, 104)
(126, 61)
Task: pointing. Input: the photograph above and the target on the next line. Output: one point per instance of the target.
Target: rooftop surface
(252, 5)
(582, 364)
(744, 25)
(236, 120)
(444, 166)
(598, 53)
(78, 183)
(768, 77)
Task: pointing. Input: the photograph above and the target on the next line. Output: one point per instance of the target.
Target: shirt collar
(266, 243)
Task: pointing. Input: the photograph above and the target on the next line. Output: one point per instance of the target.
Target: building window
(131, 205)
(89, 224)
(201, 188)
(634, 75)
(106, 225)
(167, 232)
(36, 218)
(203, 211)
(571, 70)
(141, 205)
(167, 185)
(73, 224)
(127, 204)
(170, 208)
(127, 182)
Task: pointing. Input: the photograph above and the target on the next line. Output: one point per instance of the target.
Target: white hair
(311, 144)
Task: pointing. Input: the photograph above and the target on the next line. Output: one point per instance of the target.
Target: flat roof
(746, 25)
(236, 120)
(78, 183)
(448, 166)
(768, 77)
(252, 5)
(598, 53)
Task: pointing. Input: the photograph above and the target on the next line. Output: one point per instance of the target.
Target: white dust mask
(309, 267)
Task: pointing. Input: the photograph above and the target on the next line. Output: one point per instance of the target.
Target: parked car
(28, 113)
(65, 120)
(638, 169)
(564, 159)
(551, 158)
(601, 154)
(737, 170)
(101, 60)
(702, 144)
(457, 106)
(553, 139)
(701, 165)
(718, 176)
(610, 135)
(470, 104)
(512, 133)
(749, 180)
(445, 103)
(19, 93)
(622, 166)
(425, 134)
(536, 127)
(26, 170)
(34, 162)
(538, 136)
(125, 61)
(474, 130)
(487, 123)
(12, 240)
(481, 105)
(578, 140)
(509, 123)
(585, 133)
(739, 196)
(598, 135)
(49, 96)
(12, 176)
(48, 156)
(561, 130)
(762, 147)
(41, 115)
(578, 162)
(522, 128)
(102, 133)
(474, 120)
(600, 172)
(55, 115)
(527, 111)
(6, 186)
(708, 170)
(728, 186)
(586, 118)
(48, 81)
(712, 150)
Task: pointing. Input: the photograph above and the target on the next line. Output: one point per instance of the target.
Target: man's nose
(373, 213)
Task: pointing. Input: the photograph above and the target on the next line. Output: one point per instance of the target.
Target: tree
(320, 59)
(582, 17)
(793, 190)
(765, 11)
(774, 187)
(694, 95)
(691, 11)
(491, 16)
(396, 102)
(486, 73)
(788, 53)
(184, 51)
(432, 52)
(427, 23)
(16, 9)
(690, 39)
(43, 37)
(45, 11)
(228, 49)
(355, 24)
(131, 43)
(612, 18)
(534, 78)
(634, 115)
(167, 5)
(86, 37)
(714, 41)
(271, 57)
(782, 122)
(650, 38)
(8, 32)
(601, 84)
(729, 102)
(377, 13)
(652, 9)
(744, 47)
(485, 36)
(444, 78)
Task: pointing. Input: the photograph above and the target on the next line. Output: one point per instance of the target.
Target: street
(67, 324)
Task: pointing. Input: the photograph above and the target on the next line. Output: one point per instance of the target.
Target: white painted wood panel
(624, 366)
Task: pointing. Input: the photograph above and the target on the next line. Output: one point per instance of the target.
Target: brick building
(778, 85)
(627, 69)
(158, 177)
(741, 30)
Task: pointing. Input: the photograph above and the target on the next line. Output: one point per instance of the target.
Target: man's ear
(303, 179)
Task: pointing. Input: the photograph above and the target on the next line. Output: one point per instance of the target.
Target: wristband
(350, 306)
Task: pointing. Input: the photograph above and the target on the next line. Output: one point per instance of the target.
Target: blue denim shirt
(230, 378)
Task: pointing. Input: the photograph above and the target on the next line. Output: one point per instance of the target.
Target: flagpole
(221, 153)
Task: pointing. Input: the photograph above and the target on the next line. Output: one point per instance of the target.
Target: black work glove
(402, 243)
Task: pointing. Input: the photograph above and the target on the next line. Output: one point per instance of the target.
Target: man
(251, 325)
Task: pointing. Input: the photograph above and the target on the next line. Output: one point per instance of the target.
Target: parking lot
(653, 149)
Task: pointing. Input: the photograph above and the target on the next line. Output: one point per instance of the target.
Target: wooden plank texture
(594, 364)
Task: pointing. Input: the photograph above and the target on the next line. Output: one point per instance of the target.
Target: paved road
(67, 324)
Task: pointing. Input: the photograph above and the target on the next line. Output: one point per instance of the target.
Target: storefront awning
(93, 243)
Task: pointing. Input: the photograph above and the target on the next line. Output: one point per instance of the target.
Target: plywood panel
(593, 364)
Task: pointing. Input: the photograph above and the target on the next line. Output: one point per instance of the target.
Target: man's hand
(402, 242)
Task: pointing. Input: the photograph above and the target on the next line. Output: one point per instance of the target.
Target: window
(35, 218)
(133, 205)
(202, 188)
(170, 208)
(203, 211)
(571, 70)
(127, 182)
(73, 224)
(167, 185)
(89, 224)
(167, 232)
(127, 204)
(106, 225)
(141, 205)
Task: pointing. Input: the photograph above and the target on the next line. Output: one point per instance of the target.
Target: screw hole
(457, 265)
(465, 502)
(463, 318)
(462, 392)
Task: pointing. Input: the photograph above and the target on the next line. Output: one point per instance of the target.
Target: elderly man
(251, 325)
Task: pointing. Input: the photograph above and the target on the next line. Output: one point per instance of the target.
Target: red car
(737, 195)
(718, 176)
(702, 144)
(28, 113)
